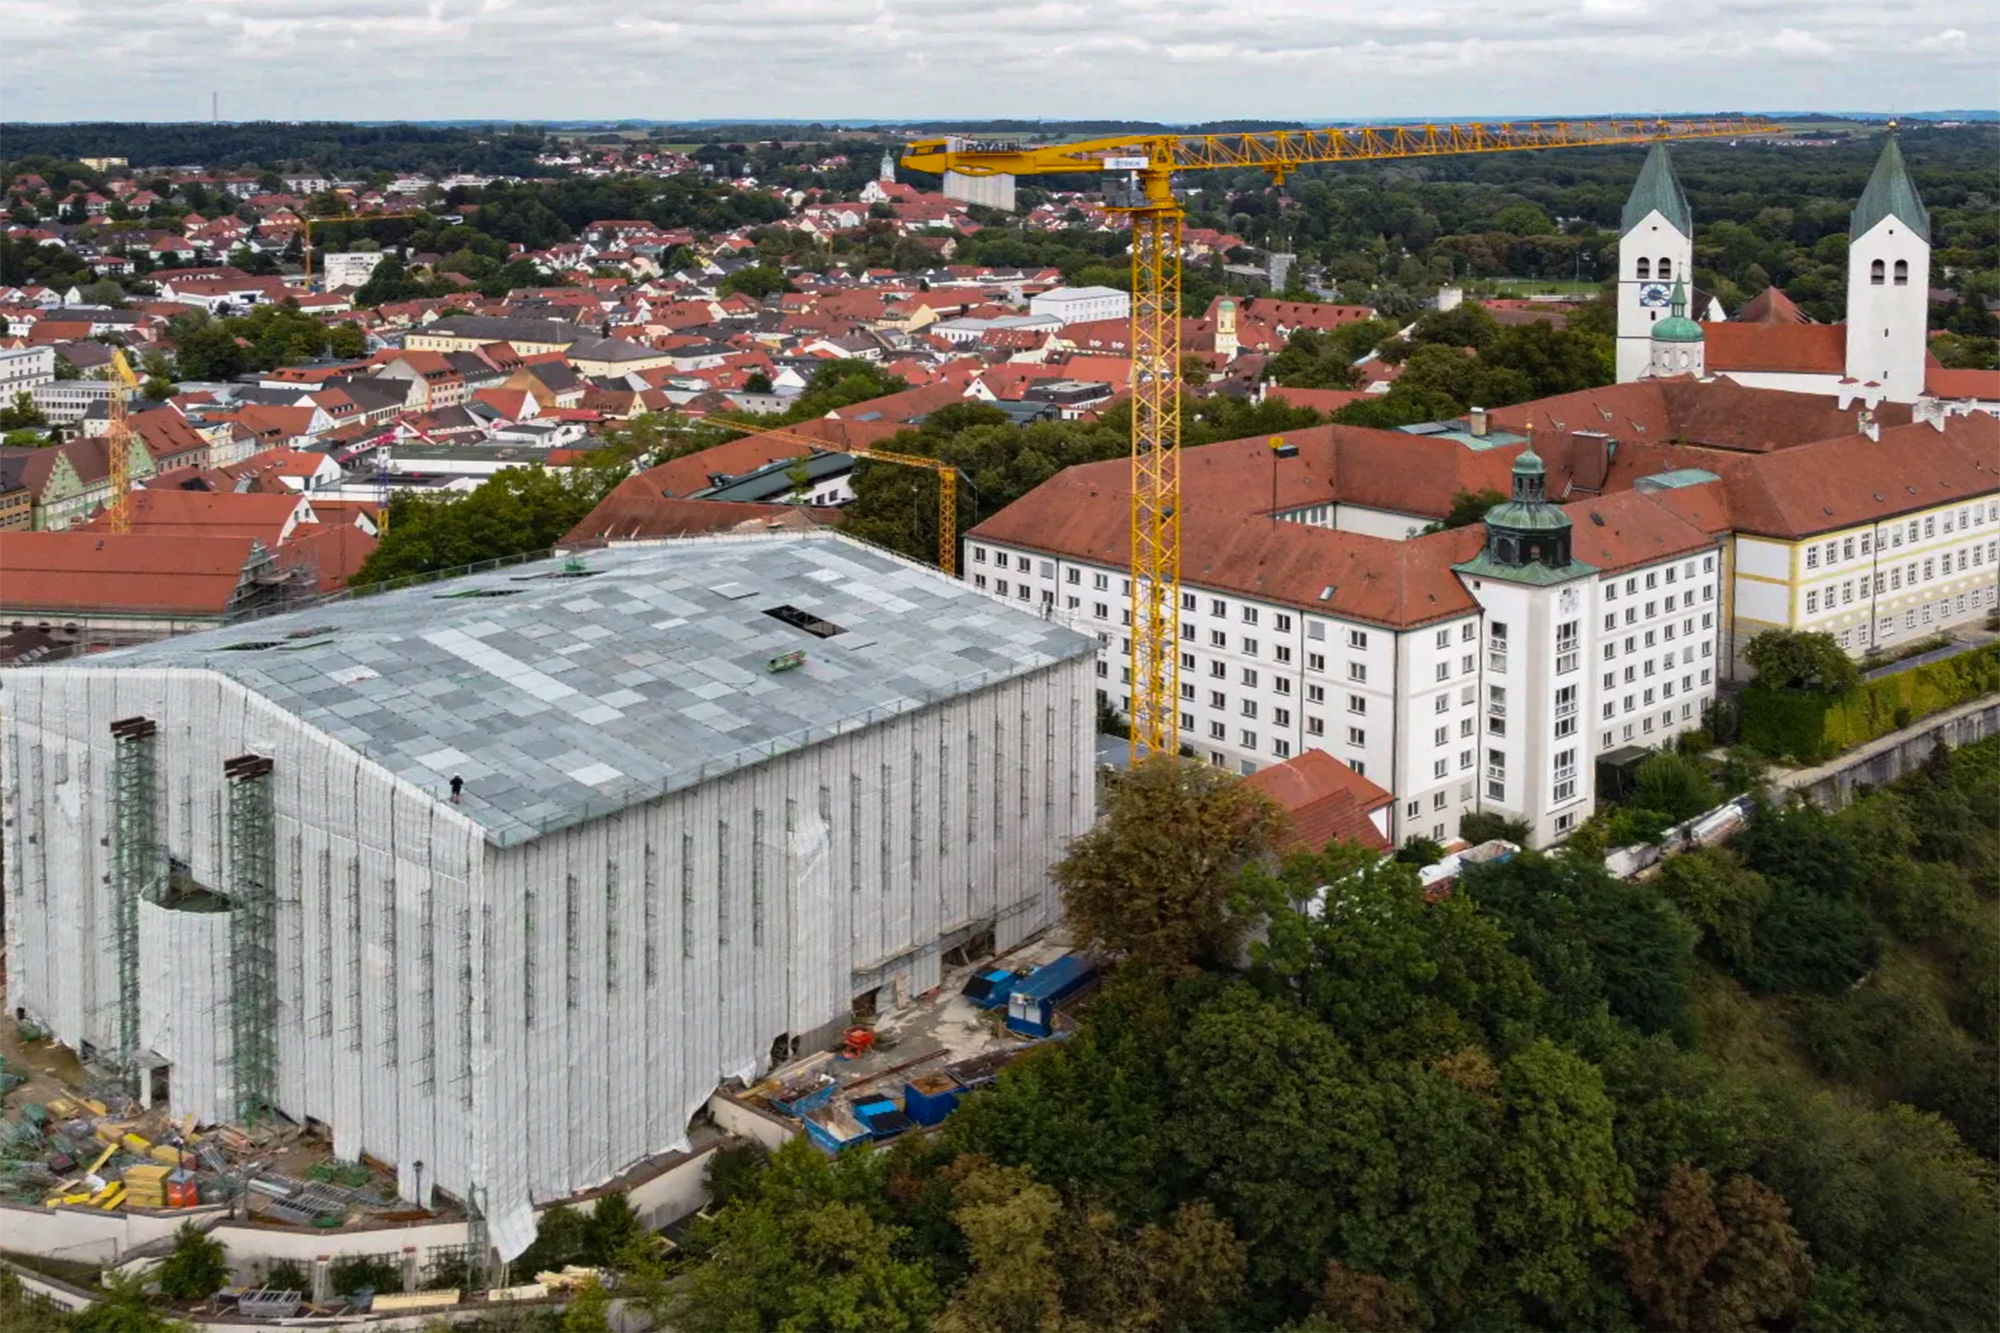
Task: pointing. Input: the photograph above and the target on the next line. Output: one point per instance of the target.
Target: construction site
(458, 901)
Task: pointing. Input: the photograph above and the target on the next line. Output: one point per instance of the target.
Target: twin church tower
(1888, 292)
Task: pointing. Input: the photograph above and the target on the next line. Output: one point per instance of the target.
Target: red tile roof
(1327, 802)
(1816, 349)
(59, 573)
(1983, 385)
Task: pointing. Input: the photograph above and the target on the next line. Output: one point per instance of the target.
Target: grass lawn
(1532, 286)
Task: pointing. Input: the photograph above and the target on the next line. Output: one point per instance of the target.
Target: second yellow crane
(1149, 162)
(947, 476)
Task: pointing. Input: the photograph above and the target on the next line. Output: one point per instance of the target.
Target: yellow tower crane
(118, 441)
(1156, 215)
(947, 476)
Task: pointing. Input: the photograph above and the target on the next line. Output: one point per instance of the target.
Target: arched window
(1666, 269)
(1902, 272)
(1875, 274)
(1645, 268)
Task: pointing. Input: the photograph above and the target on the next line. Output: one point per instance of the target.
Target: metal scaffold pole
(136, 865)
(253, 987)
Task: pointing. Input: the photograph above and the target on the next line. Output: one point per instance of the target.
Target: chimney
(1931, 410)
(1477, 419)
(1868, 425)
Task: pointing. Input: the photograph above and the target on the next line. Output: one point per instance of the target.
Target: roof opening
(1597, 518)
(479, 592)
(805, 620)
(250, 645)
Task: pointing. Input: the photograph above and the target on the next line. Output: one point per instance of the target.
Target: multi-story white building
(1073, 305)
(25, 368)
(1461, 670)
(1654, 529)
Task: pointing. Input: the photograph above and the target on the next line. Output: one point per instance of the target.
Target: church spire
(1658, 190)
(1890, 194)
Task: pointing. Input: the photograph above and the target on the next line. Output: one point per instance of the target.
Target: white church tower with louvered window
(1655, 250)
(1888, 281)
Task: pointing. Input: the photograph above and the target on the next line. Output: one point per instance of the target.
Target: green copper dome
(1677, 327)
(1529, 510)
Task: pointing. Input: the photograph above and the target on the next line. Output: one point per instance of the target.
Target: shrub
(1811, 726)
(1477, 826)
(733, 1170)
(370, 1271)
(285, 1276)
(1801, 660)
(1420, 852)
(197, 1268)
(1674, 785)
(1808, 941)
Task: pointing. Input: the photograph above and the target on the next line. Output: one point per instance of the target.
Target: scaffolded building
(711, 792)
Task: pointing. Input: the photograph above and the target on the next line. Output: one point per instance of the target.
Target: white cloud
(1798, 42)
(1951, 39)
(1318, 60)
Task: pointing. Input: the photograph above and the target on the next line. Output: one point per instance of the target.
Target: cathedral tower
(1888, 281)
(1656, 248)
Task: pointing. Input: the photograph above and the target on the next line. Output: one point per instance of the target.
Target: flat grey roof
(562, 693)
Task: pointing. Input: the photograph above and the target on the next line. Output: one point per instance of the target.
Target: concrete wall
(750, 1122)
(1832, 786)
(87, 1235)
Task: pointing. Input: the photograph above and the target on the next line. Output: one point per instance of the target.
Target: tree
(1801, 660)
(757, 382)
(1365, 1302)
(1675, 786)
(516, 512)
(1467, 508)
(1559, 1191)
(21, 413)
(1808, 941)
(1727, 1260)
(756, 281)
(196, 1268)
(124, 1307)
(805, 1248)
(610, 1228)
(1721, 898)
(1005, 1216)
(588, 1309)
(1151, 882)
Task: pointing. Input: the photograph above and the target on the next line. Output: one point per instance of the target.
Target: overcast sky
(1177, 60)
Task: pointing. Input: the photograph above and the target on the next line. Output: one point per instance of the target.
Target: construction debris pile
(97, 1147)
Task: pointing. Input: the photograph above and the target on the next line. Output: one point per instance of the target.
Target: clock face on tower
(1653, 293)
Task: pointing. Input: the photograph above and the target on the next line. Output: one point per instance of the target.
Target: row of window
(1875, 272)
(1644, 726)
(1898, 577)
(1653, 577)
(1945, 607)
(1896, 534)
(1666, 632)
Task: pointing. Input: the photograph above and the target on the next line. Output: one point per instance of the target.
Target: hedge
(1811, 727)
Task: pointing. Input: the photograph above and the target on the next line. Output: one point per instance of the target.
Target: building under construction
(497, 878)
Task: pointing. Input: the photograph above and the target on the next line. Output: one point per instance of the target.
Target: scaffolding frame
(253, 990)
(137, 865)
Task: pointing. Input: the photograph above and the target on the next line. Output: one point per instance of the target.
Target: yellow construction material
(137, 1144)
(102, 1158)
(1152, 161)
(110, 1196)
(527, 1291)
(165, 1152)
(414, 1300)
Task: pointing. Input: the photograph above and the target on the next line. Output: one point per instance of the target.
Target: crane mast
(1156, 218)
(118, 441)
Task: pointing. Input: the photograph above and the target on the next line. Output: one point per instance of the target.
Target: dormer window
(1875, 272)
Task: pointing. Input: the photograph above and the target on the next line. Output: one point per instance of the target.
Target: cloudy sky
(1177, 60)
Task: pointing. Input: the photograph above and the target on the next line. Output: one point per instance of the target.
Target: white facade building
(25, 368)
(1458, 675)
(348, 268)
(1074, 305)
(713, 792)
